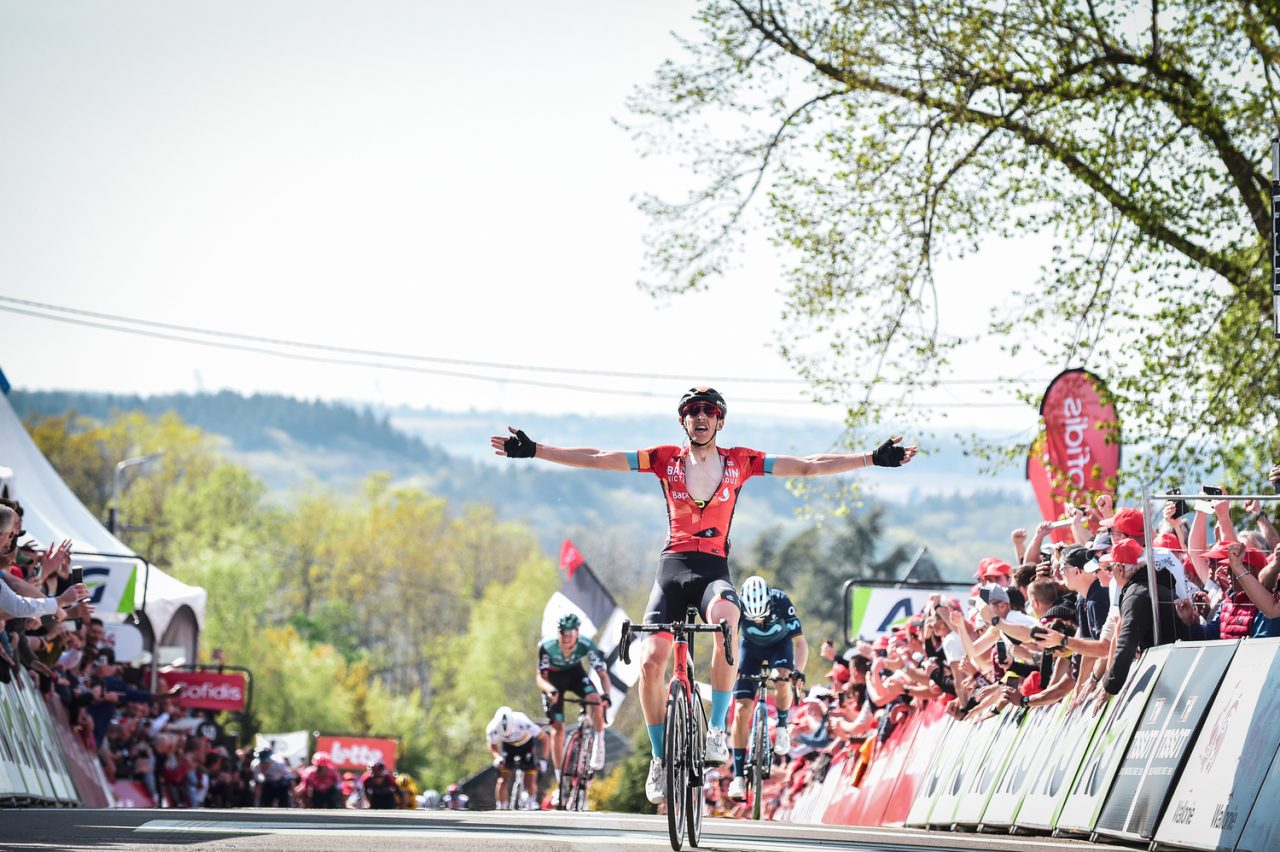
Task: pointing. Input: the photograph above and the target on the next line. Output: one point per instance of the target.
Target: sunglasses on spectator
(707, 408)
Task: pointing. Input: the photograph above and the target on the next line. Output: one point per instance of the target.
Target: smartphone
(77, 574)
(1065, 522)
(882, 652)
(1180, 507)
(1013, 682)
(1211, 489)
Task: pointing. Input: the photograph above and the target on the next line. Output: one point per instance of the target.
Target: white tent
(122, 582)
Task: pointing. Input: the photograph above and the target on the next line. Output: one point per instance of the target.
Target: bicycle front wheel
(569, 778)
(698, 741)
(759, 757)
(676, 762)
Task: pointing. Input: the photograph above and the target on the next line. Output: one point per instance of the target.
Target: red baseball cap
(839, 672)
(1128, 521)
(1168, 540)
(882, 643)
(1255, 558)
(991, 566)
(1218, 551)
(1126, 553)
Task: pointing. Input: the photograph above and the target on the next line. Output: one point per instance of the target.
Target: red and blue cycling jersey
(694, 527)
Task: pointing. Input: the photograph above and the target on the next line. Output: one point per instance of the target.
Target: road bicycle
(685, 730)
(518, 798)
(759, 764)
(575, 762)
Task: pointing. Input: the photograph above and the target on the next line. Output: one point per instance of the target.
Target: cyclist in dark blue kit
(770, 631)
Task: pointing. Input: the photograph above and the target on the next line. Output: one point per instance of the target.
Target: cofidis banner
(1230, 758)
(1078, 451)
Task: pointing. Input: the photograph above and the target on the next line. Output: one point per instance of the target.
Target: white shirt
(952, 647)
(520, 729)
(15, 605)
(1021, 619)
(1164, 558)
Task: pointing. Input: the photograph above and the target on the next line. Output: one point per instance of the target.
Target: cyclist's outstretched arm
(518, 445)
(888, 454)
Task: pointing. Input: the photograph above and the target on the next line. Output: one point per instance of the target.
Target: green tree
(876, 138)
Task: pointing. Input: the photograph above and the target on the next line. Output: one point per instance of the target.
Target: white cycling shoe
(717, 753)
(655, 786)
(781, 741)
(738, 788)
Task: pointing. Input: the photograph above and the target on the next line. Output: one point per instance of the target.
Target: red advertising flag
(1077, 454)
(359, 752)
(570, 558)
(207, 690)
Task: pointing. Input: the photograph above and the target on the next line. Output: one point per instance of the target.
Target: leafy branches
(872, 138)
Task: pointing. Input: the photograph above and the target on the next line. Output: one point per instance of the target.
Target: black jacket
(1137, 629)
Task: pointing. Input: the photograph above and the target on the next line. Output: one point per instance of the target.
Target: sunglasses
(707, 408)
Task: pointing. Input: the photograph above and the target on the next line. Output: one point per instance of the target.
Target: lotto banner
(1078, 451)
(1177, 706)
(359, 752)
(877, 609)
(1226, 766)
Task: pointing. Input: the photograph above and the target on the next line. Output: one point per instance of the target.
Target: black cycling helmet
(703, 394)
(569, 622)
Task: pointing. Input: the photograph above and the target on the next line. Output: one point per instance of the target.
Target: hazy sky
(443, 179)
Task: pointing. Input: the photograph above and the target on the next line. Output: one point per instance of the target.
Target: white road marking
(713, 834)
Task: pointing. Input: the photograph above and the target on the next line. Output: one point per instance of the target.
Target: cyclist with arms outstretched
(559, 671)
(512, 738)
(701, 482)
(770, 632)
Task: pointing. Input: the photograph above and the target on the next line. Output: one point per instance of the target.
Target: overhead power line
(223, 340)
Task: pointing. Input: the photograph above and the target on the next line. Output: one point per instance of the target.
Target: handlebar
(676, 628)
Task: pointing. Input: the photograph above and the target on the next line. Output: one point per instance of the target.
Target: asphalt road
(312, 831)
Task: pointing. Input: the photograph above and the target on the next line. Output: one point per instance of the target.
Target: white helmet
(755, 598)
(502, 721)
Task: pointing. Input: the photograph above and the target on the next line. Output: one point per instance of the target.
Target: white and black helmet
(755, 598)
(502, 721)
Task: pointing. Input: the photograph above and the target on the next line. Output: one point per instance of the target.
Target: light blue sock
(655, 738)
(719, 707)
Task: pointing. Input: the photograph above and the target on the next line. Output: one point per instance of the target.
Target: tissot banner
(359, 752)
(1078, 452)
(1231, 755)
(208, 690)
(1177, 705)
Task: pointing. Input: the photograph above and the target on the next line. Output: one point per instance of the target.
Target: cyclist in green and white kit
(560, 671)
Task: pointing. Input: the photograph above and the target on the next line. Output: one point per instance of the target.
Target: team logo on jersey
(724, 496)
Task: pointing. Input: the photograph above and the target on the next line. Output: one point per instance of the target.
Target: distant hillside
(939, 500)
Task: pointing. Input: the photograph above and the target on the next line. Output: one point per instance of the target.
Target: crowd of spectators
(1062, 621)
(180, 758)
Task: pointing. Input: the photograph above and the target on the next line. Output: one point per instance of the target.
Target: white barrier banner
(975, 740)
(44, 742)
(1080, 813)
(1262, 829)
(942, 759)
(12, 780)
(1075, 732)
(1230, 758)
(974, 798)
(1031, 753)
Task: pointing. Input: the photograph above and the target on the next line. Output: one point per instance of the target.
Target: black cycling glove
(887, 454)
(519, 446)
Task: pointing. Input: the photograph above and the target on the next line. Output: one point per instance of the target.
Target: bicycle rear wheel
(676, 760)
(759, 757)
(582, 769)
(569, 778)
(698, 740)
